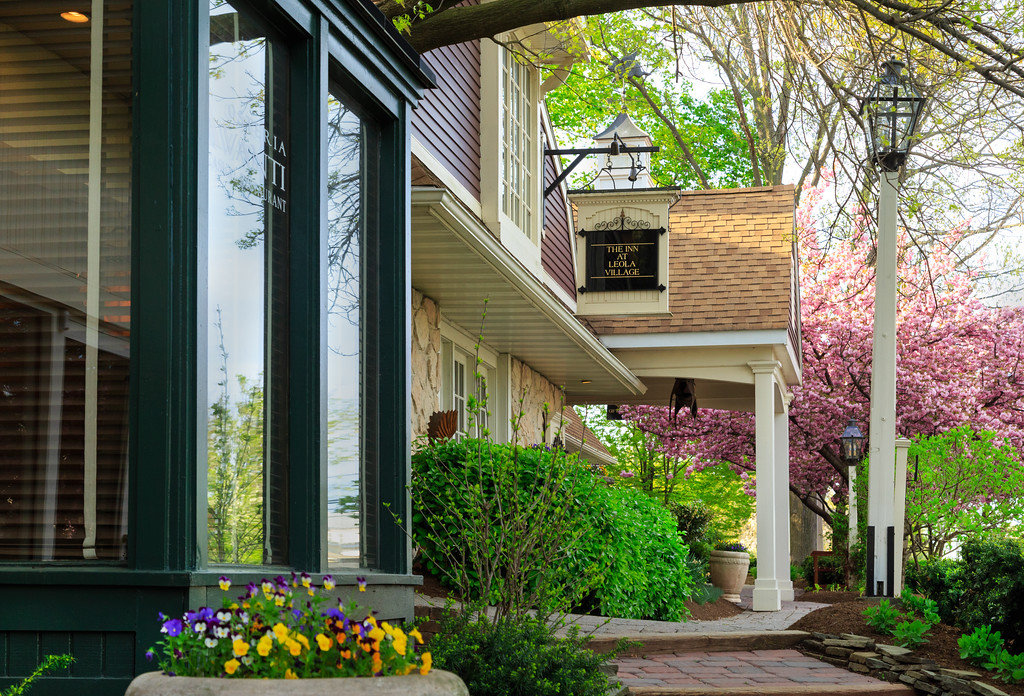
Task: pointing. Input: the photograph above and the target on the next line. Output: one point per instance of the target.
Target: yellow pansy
(376, 634)
(425, 667)
(263, 647)
(240, 647)
(281, 631)
(288, 674)
(399, 644)
(293, 647)
(323, 641)
(231, 665)
(415, 633)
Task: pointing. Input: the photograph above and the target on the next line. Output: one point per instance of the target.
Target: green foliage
(523, 527)
(693, 522)
(911, 634)
(1008, 667)
(964, 484)
(50, 663)
(939, 580)
(706, 593)
(643, 558)
(883, 617)
(992, 587)
(924, 606)
(979, 646)
(523, 656)
(592, 96)
(721, 489)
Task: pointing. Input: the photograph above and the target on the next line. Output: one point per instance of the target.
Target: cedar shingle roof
(730, 264)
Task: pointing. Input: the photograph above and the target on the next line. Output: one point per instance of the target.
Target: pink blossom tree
(959, 362)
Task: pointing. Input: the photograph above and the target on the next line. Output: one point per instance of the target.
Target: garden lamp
(891, 112)
(852, 443)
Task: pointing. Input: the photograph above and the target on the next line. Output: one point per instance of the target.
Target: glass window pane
(346, 225)
(65, 224)
(247, 310)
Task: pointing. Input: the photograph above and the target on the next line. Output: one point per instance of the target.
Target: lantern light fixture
(891, 114)
(852, 441)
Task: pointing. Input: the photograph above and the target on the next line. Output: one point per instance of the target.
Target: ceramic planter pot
(729, 571)
(437, 683)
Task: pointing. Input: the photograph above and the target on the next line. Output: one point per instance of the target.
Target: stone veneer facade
(426, 361)
(534, 390)
(526, 384)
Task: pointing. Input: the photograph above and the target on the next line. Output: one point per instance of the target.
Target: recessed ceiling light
(76, 17)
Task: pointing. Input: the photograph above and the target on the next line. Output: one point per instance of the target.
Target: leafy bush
(1009, 668)
(927, 608)
(992, 581)
(693, 522)
(830, 570)
(519, 527)
(910, 634)
(882, 618)
(513, 657)
(939, 580)
(978, 647)
(642, 560)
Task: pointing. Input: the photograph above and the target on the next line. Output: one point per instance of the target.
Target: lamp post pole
(891, 112)
(882, 446)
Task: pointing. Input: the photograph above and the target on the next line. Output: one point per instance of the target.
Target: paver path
(759, 671)
(745, 622)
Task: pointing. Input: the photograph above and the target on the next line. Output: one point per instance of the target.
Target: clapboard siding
(556, 249)
(447, 121)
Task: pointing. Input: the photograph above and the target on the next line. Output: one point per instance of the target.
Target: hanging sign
(622, 255)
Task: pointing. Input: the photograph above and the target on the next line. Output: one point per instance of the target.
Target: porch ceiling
(457, 262)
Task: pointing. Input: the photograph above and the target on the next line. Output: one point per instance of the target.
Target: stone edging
(894, 664)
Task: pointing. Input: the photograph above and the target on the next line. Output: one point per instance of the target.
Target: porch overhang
(458, 262)
(717, 361)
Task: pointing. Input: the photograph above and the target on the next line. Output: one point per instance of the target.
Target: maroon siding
(447, 121)
(556, 249)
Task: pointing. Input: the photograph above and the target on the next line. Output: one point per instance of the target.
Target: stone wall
(894, 664)
(426, 360)
(534, 390)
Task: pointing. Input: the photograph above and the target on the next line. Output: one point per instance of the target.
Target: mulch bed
(844, 616)
(826, 597)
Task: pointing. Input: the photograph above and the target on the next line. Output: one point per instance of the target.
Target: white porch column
(767, 593)
(900, 512)
(782, 529)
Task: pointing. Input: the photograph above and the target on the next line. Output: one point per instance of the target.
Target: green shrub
(882, 618)
(50, 663)
(830, 571)
(940, 581)
(520, 526)
(992, 581)
(643, 560)
(1009, 668)
(979, 646)
(911, 634)
(927, 608)
(516, 657)
(693, 522)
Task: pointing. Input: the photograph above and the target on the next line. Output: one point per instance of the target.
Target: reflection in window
(247, 256)
(346, 224)
(65, 219)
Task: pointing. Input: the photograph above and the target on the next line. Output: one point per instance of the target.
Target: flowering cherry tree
(959, 362)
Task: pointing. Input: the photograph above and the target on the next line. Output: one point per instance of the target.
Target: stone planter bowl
(437, 683)
(729, 571)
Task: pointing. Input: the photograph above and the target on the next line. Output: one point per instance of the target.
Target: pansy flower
(172, 627)
(328, 582)
(211, 642)
(362, 583)
(225, 582)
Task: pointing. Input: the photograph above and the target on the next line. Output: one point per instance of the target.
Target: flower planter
(437, 683)
(729, 571)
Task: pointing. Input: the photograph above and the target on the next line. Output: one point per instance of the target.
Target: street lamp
(852, 447)
(891, 114)
(852, 443)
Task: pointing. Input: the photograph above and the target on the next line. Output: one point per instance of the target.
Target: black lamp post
(891, 114)
(852, 443)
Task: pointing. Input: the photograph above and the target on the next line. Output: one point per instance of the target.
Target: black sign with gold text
(620, 260)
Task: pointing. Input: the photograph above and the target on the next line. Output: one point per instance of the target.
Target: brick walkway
(729, 670)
